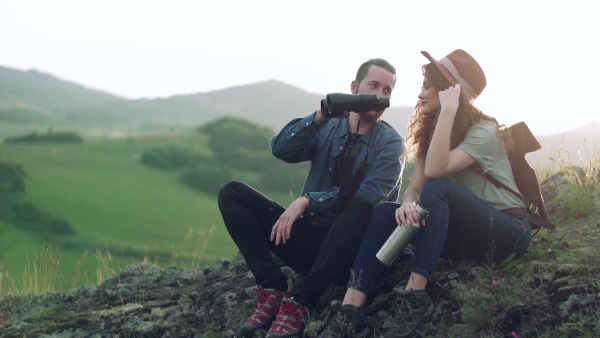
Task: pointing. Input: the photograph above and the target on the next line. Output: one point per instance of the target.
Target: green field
(116, 205)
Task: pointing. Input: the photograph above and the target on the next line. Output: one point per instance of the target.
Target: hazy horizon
(533, 56)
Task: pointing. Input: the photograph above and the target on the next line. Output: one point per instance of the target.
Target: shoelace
(287, 309)
(286, 318)
(261, 304)
(406, 308)
(407, 320)
(263, 296)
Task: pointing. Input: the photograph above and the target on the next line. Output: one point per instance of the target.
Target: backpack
(529, 193)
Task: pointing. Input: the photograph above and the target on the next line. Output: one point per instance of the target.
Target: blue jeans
(460, 224)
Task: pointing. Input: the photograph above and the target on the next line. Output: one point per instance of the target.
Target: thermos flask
(400, 238)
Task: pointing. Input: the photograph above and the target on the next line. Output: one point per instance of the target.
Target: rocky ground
(553, 291)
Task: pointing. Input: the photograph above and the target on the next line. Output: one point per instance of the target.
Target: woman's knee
(384, 214)
(434, 188)
(436, 185)
(385, 209)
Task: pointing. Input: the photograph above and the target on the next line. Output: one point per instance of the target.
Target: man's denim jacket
(304, 139)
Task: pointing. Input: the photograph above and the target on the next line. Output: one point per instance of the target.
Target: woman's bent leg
(461, 223)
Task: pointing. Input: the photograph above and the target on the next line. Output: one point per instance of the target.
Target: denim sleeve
(383, 179)
(381, 182)
(296, 141)
(322, 200)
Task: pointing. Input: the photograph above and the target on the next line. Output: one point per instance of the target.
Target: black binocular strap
(350, 185)
(351, 182)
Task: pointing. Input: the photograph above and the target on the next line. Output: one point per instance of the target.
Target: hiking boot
(413, 308)
(290, 320)
(346, 321)
(264, 310)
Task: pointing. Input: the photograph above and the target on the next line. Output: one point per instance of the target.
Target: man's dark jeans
(322, 255)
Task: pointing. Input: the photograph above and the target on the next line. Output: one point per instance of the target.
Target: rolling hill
(34, 97)
(68, 179)
(580, 147)
(34, 100)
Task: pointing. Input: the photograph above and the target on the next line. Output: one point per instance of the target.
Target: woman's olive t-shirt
(486, 146)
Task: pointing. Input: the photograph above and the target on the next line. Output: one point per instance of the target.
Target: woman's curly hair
(421, 126)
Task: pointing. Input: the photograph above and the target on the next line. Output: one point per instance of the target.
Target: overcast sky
(540, 57)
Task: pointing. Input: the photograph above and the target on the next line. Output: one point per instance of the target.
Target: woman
(453, 144)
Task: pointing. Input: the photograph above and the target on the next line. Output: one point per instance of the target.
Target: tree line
(49, 136)
(16, 210)
(236, 144)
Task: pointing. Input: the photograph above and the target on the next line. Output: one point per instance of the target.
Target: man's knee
(227, 190)
(358, 210)
(360, 202)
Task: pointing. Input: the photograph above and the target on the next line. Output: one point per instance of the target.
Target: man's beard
(371, 117)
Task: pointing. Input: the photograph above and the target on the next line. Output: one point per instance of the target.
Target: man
(315, 235)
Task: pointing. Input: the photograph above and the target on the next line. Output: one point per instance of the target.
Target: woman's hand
(408, 211)
(449, 98)
(283, 227)
(437, 162)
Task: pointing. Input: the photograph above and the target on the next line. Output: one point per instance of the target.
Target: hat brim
(442, 69)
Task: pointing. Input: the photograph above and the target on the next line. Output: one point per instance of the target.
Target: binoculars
(337, 103)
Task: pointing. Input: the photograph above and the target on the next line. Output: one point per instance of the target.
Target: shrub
(172, 157)
(155, 157)
(28, 216)
(17, 211)
(207, 179)
(50, 136)
(284, 177)
(241, 144)
(12, 186)
(575, 201)
(12, 176)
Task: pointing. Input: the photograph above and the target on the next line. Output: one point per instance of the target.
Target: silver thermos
(400, 238)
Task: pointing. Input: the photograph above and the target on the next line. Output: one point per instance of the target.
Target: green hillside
(115, 203)
(38, 98)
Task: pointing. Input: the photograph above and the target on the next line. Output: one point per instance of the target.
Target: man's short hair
(364, 68)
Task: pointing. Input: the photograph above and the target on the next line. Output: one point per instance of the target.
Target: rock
(551, 291)
(147, 301)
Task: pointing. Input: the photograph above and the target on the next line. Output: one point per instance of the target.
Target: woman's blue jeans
(460, 224)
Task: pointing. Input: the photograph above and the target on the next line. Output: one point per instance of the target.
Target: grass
(121, 210)
(44, 273)
(557, 278)
(128, 208)
(587, 174)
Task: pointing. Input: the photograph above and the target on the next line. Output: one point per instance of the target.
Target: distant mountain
(46, 91)
(32, 96)
(575, 147)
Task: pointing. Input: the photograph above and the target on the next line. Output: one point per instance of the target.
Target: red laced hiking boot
(264, 310)
(289, 321)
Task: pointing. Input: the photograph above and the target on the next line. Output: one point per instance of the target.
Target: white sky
(540, 57)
